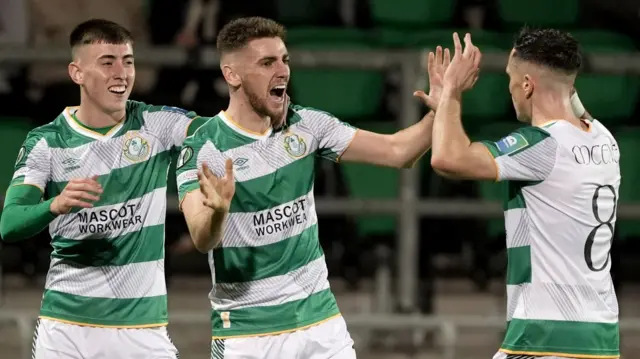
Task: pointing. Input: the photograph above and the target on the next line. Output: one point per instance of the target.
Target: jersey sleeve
(196, 150)
(33, 164)
(333, 136)
(173, 124)
(527, 154)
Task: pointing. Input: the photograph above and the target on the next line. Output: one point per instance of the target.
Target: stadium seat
(304, 12)
(611, 98)
(629, 141)
(488, 190)
(373, 182)
(412, 13)
(13, 132)
(540, 13)
(348, 93)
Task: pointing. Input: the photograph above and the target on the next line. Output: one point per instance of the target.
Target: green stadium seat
(611, 98)
(489, 190)
(412, 13)
(302, 12)
(13, 132)
(348, 93)
(629, 142)
(373, 182)
(539, 13)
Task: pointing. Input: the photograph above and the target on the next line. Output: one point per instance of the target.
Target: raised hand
(79, 193)
(217, 191)
(463, 71)
(437, 64)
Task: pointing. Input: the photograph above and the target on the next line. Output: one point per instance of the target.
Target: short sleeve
(527, 154)
(172, 124)
(333, 136)
(33, 164)
(196, 150)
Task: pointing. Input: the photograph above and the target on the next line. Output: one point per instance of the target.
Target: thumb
(429, 101)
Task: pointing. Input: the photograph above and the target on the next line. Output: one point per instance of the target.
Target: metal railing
(447, 327)
(409, 208)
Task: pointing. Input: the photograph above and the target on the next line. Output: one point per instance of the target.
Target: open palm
(217, 191)
(437, 64)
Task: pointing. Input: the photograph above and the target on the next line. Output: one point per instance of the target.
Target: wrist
(451, 92)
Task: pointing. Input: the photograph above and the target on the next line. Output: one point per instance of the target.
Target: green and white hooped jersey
(269, 273)
(107, 264)
(560, 214)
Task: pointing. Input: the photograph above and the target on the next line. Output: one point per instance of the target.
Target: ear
(76, 73)
(231, 76)
(528, 86)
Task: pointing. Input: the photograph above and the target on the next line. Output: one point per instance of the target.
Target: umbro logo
(71, 164)
(241, 163)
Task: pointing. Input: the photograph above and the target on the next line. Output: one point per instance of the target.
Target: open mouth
(277, 92)
(118, 90)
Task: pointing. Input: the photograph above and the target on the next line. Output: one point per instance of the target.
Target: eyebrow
(113, 57)
(272, 58)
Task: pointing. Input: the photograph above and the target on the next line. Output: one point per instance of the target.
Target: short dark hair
(96, 31)
(552, 48)
(239, 32)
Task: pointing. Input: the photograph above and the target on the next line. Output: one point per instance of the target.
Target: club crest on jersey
(512, 143)
(21, 154)
(136, 148)
(185, 156)
(295, 145)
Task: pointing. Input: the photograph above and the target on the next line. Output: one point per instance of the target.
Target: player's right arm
(25, 214)
(204, 192)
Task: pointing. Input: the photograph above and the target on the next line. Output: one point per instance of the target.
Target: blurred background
(416, 261)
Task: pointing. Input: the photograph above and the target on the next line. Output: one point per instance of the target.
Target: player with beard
(245, 183)
(97, 177)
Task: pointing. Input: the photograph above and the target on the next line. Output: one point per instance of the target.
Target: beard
(260, 106)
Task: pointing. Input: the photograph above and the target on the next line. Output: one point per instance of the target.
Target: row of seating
(434, 13)
(358, 93)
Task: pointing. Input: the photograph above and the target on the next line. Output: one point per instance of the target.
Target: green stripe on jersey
(244, 264)
(148, 175)
(105, 311)
(549, 337)
(291, 315)
(126, 249)
(519, 265)
(252, 196)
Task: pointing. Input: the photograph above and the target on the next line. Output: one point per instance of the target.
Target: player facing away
(563, 177)
(246, 183)
(97, 177)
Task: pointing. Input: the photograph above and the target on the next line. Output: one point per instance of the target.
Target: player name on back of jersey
(597, 154)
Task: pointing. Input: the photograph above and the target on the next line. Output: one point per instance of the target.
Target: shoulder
(518, 140)
(205, 131)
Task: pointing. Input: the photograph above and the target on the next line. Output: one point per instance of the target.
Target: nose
(119, 72)
(282, 70)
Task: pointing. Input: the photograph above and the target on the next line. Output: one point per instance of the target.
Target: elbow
(203, 245)
(8, 232)
(443, 166)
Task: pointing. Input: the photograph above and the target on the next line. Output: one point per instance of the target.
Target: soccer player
(245, 181)
(97, 177)
(563, 177)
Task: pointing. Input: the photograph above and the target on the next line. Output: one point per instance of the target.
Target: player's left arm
(528, 154)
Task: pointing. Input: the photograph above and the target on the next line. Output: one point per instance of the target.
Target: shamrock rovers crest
(136, 148)
(295, 145)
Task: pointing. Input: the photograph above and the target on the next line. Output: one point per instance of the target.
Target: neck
(554, 106)
(243, 114)
(91, 115)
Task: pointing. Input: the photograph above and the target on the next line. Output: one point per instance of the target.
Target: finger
(78, 203)
(81, 195)
(477, 58)
(85, 185)
(468, 46)
(438, 56)
(431, 62)
(447, 58)
(429, 101)
(457, 46)
(206, 171)
(228, 168)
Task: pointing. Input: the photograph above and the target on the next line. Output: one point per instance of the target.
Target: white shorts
(502, 355)
(57, 340)
(323, 341)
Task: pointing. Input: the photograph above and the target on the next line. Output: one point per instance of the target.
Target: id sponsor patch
(512, 143)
